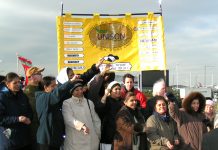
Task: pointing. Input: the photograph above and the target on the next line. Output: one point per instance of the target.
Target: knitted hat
(209, 102)
(112, 85)
(75, 85)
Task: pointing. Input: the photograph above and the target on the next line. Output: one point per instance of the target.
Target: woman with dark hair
(130, 126)
(15, 115)
(112, 103)
(190, 120)
(162, 132)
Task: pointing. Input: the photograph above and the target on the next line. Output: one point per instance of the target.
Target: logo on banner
(110, 35)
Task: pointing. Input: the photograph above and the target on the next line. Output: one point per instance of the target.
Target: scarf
(165, 118)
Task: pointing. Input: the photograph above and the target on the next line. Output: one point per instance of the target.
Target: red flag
(26, 63)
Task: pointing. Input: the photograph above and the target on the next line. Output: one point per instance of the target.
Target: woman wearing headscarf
(130, 126)
(112, 103)
(162, 132)
(82, 124)
(67, 73)
(190, 120)
(15, 115)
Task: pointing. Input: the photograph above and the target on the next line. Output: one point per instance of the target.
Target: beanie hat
(209, 102)
(112, 85)
(75, 85)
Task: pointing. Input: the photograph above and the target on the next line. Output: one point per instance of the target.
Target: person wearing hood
(190, 120)
(67, 73)
(82, 124)
(15, 115)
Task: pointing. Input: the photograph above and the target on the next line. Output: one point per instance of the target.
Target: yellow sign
(137, 41)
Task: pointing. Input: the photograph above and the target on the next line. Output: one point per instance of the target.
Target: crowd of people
(92, 111)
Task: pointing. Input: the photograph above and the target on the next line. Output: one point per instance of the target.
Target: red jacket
(139, 96)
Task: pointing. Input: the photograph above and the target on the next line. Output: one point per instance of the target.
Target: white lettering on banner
(74, 55)
(147, 40)
(118, 66)
(75, 49)
(146, 28)
(73, 36)
(73, 30)
(147, 22)
(73, 23)
(148, 34)
(73, 42)
(78, 67)
(73, 61)
(148, 46)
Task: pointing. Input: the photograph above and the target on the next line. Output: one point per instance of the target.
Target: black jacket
(109, 112)
(13, 134)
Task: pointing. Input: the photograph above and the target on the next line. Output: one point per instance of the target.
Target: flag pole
(160, 4)
(17, 64)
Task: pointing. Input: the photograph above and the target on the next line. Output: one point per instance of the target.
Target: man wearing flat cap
(34, 75)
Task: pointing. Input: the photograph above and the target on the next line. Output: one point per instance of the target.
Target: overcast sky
(29, 28)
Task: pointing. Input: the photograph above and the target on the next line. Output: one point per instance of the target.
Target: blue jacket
(13, 134)
(51, 128)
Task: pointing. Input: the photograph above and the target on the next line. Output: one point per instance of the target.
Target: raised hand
(98, 64)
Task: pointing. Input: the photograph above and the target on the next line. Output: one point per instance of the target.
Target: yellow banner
(137, 41)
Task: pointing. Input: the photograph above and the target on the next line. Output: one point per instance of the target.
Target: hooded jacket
(190, 124)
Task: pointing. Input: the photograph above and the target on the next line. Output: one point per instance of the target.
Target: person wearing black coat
(15, 115)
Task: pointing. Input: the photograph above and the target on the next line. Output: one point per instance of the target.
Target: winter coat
(94, 94)
(13, 134)
(109, 112)
(76, 113)
(51, 128)
(190, 124)
(160, 132)
(126, 136)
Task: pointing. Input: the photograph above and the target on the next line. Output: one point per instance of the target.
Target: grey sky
(29, 28)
